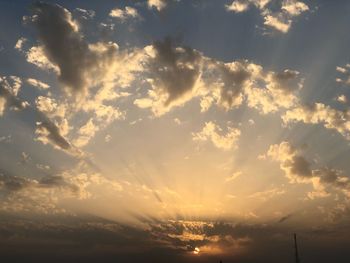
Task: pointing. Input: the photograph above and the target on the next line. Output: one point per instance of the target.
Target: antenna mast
(297, 260)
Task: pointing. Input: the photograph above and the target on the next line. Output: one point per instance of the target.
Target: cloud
(233, 78)
(44, 194)
(37, 83)
(86, 14)
(345, 74)
(279, 18)
(36, 55)
(298, 170)
(230, 84)
(177, 75)
(157, 4)
(9, 89)
(278, 22)
(233, 177)
(173, 75)
(90, 73)
(239, 6)
(19, 44)
(79, 65)
(212, 132)
(320, 113)
(123, 14)
(295, 166)
(267, 194)
(294, 7)
(86, 132)
(285, 218)
(342, 99)
(13, 183)
(48, 130)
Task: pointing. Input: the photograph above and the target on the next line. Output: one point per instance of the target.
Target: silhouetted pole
(297, 260)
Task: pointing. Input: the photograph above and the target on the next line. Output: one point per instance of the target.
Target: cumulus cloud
(212, 132)
(243, 5)
(86, 14)
(49, 132)
(157, 4)
(278, 22)
(36, 56)
(295, 166)
(123, 14)
(299, 170)
(342, 99)
(20, 42)
(86, 132)
(320, 113)
(43, 194)
(9, 89)
(345, 74)
(176, 75)
(51, 126)
(79, 65)
(294, 7)
(173, 75)
(37, 83)
(280, 18)
(91, 74)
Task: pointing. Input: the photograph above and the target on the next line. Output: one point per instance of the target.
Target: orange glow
(196, 251)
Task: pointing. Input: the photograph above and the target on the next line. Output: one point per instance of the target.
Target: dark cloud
(80, 65)
(300, 166)
(53, 134)
(333, 177)
(286, 79)
(63, 44)
(175, 69)
(93, 239)
(57, 181)
(233, 79)
(13, 183)
(52, 131)
(9, 94)
(298, 169)
(285, 218)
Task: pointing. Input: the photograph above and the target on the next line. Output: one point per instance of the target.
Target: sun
(196, 251)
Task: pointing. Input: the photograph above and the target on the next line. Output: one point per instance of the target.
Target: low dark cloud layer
(93, 239)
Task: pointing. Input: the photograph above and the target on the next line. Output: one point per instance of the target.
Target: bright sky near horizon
(179, 130)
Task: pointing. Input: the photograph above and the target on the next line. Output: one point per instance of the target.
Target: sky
(174, 130)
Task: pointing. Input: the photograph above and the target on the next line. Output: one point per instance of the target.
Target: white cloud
(280, 19)
(124, 14)
(294, 7)
(342, 99)
(20, 42)
(268, 194)
(278, 22)
(37, 83)
(320, 113)
(212, 132)
(233, 177)
(158, 4)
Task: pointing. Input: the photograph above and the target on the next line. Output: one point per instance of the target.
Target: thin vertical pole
(297, 260)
